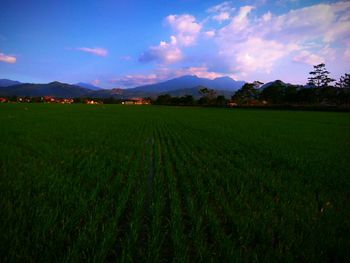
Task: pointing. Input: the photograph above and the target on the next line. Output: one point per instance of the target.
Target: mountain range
(191, 81)
(87, 86)
(185, 85)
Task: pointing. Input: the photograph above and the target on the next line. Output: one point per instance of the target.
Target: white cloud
(186, 32)
(247, 45)
(97, 51)
(244, 51)
(308, 58)
(267, 16)
(185, 27)
(7, 58)
(256, 54)
(328, 22)
(165, 53)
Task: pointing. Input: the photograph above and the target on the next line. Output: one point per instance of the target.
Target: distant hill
(87, 86)
(56, 89)
(276, 82)
(186, 85)
(8, 82)
(189, 81)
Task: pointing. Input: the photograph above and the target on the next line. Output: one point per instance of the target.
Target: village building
(65, 101)
(136, 101)
(92, 102)
(26, 99)
(232, 103)
(48, 99)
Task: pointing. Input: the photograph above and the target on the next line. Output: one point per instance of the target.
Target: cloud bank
(235, 41)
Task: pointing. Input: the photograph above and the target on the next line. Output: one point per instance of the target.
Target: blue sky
(128, 43)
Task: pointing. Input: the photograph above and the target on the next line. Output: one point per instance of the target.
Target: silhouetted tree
(208, 96)
(274, 93)
(246, 93)
(221, 101)
(163, 99)
(320, 77)
(344, 82)
(188, 100)
(204, 101)
(210, 93)
(343, 96)
(291, 93)
(307, 96)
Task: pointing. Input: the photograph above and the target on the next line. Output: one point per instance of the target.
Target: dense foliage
(111, 183)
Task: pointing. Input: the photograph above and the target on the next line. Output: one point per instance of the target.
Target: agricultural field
(113, 183)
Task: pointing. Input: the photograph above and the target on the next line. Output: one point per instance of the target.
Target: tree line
(320, 90)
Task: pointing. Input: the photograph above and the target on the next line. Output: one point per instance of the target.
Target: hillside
(8, 82)
(55, 88)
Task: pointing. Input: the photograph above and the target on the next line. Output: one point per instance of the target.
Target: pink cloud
(95, 82)
(221, 12)
(209, 34)
(136, 80)
(308, 58)
(201, 72)
(347, 53)
(165, 73)
(95, 51)
(7, 58)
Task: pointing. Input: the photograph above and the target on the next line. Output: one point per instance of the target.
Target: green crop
(115, 183)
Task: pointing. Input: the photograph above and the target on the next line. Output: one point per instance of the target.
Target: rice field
(115, 183)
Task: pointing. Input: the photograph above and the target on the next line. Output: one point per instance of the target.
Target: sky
(123, 44)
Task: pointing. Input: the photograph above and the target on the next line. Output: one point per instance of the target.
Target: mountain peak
(188, 77)
(191, 81)
(8, 82)
(55, 83)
